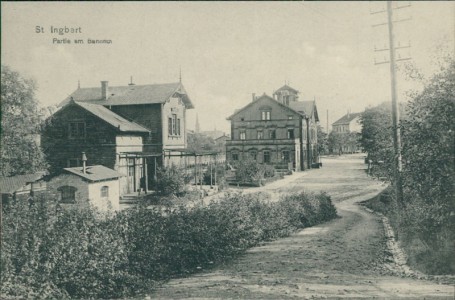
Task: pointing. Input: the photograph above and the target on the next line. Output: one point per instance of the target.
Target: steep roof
(95, 173)
(260, 98)
(8, 185)
(308, 107)
(286, 88)
(131, 94)
(110, 117)
(346, 119)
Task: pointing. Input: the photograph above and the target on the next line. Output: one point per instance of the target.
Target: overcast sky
(226, 50)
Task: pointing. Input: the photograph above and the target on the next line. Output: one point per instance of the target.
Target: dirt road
(344, 258)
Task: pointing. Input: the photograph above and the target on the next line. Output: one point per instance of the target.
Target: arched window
(68, 194)
(105, 191)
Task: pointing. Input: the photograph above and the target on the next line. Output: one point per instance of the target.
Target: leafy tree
(198, 142)
(21, 120)
(428, 139)
(335, 142)
(322, 140)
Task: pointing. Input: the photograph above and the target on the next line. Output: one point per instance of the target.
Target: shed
(96, 186)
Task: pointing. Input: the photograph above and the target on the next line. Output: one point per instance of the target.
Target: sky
(227, 50)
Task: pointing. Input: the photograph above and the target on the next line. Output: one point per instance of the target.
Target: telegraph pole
(395, 110)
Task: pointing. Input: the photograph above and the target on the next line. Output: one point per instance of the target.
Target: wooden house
(280, 131)
(132, 129)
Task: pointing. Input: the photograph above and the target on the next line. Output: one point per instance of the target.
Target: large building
(279, 130)
(132, 129)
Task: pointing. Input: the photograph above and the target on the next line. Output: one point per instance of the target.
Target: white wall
(112, 202)
(87, 193)
(128, 143)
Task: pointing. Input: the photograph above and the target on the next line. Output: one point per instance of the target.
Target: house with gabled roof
(279, 130)
(350, 122)
(131, 129)
(349, 127)
(87, 186)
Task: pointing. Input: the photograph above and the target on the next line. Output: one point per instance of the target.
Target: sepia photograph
(227, 150)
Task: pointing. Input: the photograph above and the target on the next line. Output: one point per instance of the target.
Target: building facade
(132, 129)
(280, 131)
(348, 127)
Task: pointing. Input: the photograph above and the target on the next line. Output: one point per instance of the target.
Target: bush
(269, 171)
(220, 171)
(170, 181)
(59, 254)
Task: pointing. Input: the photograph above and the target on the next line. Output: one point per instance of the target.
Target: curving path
(344, 258)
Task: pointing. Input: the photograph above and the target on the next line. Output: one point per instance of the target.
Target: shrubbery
(52, 253)
(252, 172)
(425, 219)
(171, 181)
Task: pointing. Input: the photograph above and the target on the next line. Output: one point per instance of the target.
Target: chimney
(104, 89)
(84, 163)
(253, 96)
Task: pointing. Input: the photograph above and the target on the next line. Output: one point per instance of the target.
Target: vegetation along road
(345, 258)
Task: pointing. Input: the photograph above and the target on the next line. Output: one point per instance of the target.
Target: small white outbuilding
(86, 186)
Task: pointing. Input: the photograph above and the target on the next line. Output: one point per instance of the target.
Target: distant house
(280, 131)
(96, 186)
(21, 187)
(220, 142)
(132, 129)
(347, 125)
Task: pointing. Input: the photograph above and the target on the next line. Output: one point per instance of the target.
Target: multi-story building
(280, 131)
(348, 127)
(132, 129)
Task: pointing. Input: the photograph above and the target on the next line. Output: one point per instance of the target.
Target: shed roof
(112, 118)
(346, 119)
(131, 94)
(8, 185)
(95, 173)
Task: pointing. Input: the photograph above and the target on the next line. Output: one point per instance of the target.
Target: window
(174, 125)
(169, 126)
(291, 134)
(260, 135)
(235, 156)
(285, 157)
(242, 135)
(265, 115)
(253, 154)
(68, 194)
(272, 134)
(76, 130)
(290, 117)
(266, 156)
(105, 191)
